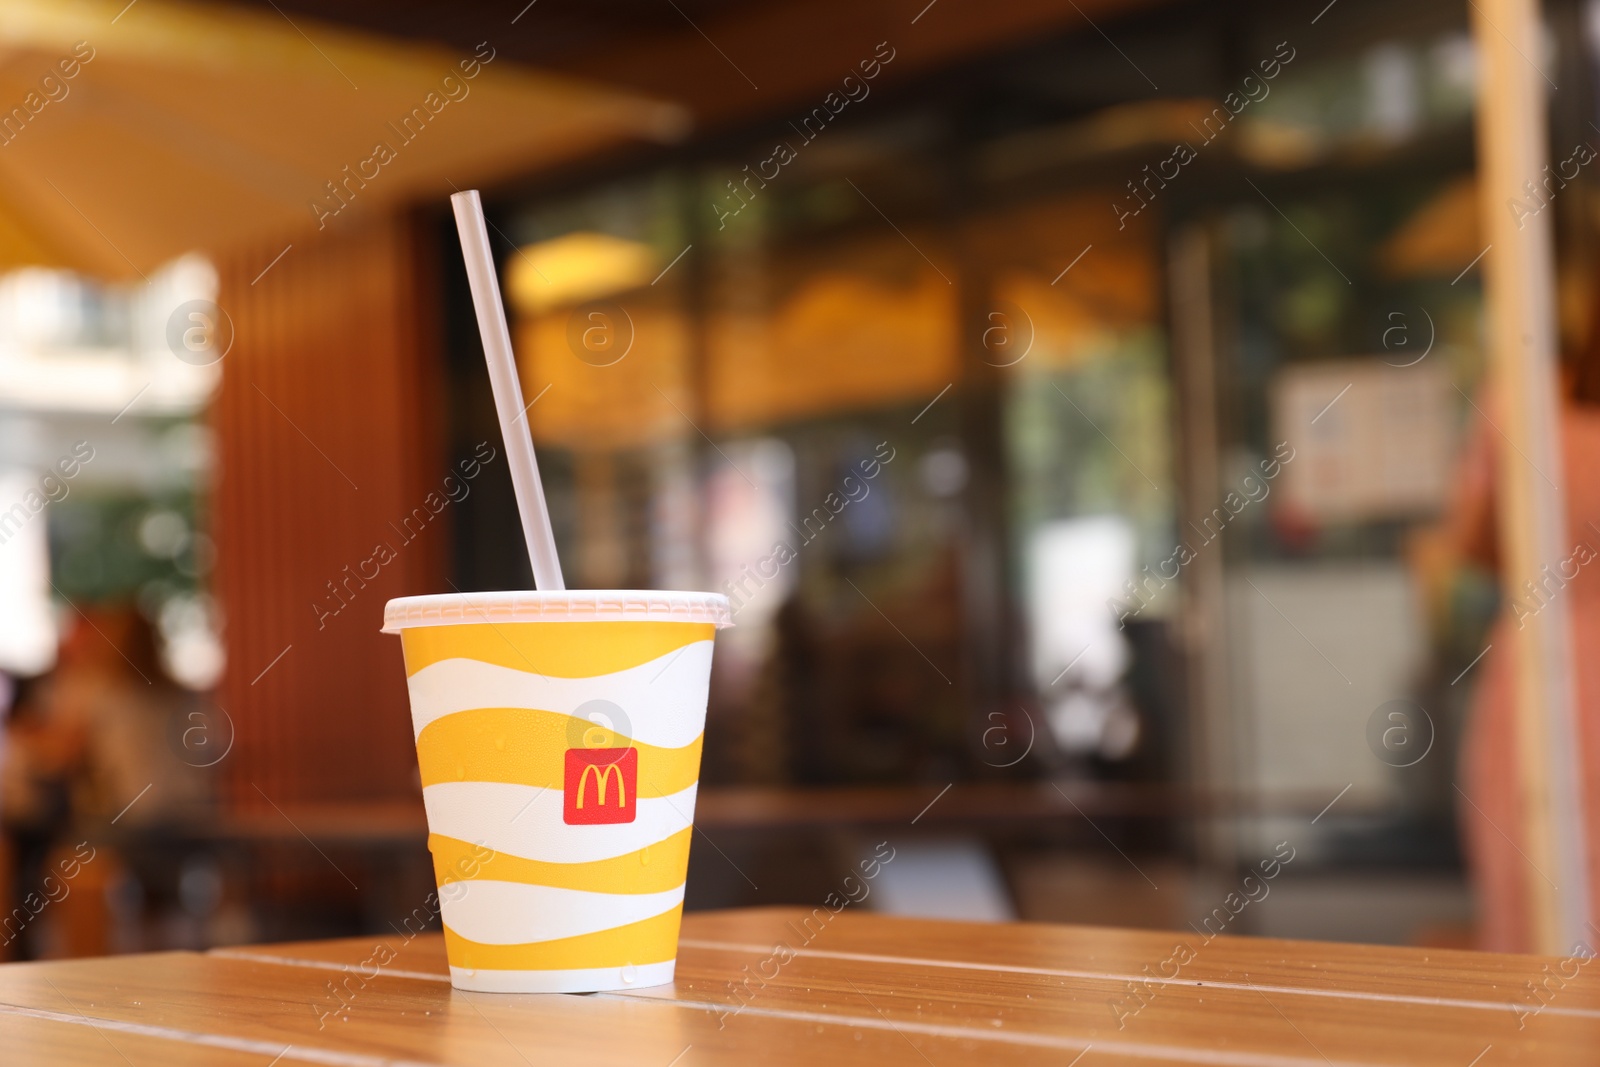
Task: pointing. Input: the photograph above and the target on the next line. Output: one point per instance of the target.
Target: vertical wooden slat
(327, 426)
(1212, 738)
(1520, 272)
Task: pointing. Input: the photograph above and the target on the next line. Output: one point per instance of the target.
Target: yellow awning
(130, 133)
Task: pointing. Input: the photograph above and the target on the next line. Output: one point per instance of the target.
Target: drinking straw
(507, 391)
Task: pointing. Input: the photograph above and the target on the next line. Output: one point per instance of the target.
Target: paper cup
(558, 739)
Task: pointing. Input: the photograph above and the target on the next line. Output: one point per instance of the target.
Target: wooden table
(864, 990)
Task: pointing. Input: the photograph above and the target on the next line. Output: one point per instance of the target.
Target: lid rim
(574, 605)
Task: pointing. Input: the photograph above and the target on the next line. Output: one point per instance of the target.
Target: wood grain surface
(786, 986)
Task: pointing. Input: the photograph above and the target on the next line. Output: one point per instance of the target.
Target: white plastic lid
(573, 605)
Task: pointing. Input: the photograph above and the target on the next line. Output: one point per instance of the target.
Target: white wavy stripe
(665, 699)
(525, 821)
(576, 980)
(512, 913)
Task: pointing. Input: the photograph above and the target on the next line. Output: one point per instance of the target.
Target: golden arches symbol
(602, 773)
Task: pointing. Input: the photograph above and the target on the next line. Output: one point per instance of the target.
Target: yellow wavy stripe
(653, 869)
(652, 940)
(557, 649)
(525, 746)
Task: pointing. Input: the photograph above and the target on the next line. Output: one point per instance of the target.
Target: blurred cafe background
(1086, 407)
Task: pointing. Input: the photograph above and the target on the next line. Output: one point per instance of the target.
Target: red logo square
(602, 785)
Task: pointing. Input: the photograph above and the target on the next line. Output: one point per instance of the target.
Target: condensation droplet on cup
(461, 772)
(500, 744)
(644, 856)
(629, 973)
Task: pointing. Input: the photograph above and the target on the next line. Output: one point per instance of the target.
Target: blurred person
(1490, 816)
(109, 683)
(42, 755)
(132, 787)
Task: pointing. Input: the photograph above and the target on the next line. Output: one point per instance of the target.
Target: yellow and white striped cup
(558, 738)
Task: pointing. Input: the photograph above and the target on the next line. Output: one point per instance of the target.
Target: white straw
(507, 391)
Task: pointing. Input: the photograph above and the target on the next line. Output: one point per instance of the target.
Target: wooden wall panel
(327, 429)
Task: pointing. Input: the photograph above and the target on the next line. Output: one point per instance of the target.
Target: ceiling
(726, 61)
(131, 133)
(223, 125)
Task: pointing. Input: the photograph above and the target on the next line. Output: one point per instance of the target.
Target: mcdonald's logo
(601, 784)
